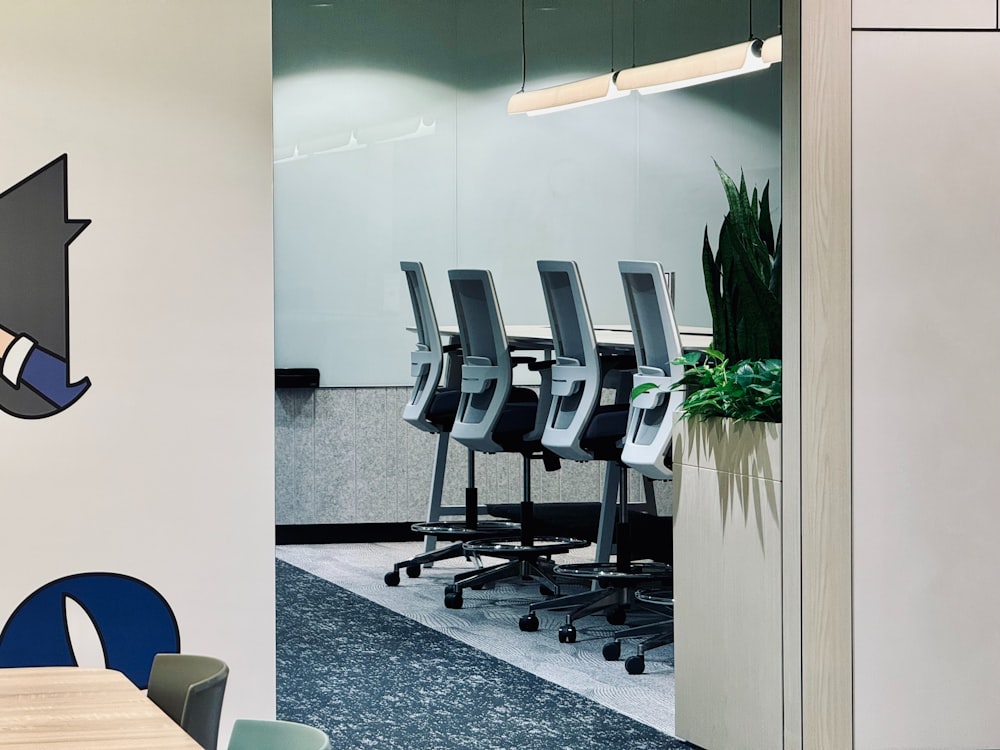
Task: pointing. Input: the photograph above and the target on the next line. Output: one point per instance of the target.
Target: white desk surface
(612, 336)
(67, 708)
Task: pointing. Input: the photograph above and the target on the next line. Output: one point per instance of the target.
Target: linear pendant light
(566, 96)
(693, 70)
(770, 52)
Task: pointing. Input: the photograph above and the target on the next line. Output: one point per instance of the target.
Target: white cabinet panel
(926, 316)
(925, 14)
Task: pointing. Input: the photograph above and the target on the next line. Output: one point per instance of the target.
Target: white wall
(926, 603)
(164, 469)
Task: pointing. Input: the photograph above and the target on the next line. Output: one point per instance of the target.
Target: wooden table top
(91, 709)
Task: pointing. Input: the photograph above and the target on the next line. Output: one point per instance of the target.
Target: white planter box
(727, 584)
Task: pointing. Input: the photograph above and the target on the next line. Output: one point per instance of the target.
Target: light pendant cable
(693, 70)
(565, 96)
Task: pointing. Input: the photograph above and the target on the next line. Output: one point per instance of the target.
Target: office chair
(494, 417)
(648, 440)
(432, 408)
(657, 342)
(580, 428)
(263, 734)
(190, 689)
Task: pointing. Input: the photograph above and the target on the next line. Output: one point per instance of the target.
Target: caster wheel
(413, 571)
(453, 599)
(567, 634)
(635, 664)
(546, 591)
(616, 616)
(612, 651)
(392, 578)
(528, 623)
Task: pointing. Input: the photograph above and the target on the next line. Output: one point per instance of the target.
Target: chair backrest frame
(266, 734)
(576, 374)
(657, 344)
(190, 689)
(427, 359)
(487, 375)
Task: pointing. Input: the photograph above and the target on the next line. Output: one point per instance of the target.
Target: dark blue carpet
(372, 678)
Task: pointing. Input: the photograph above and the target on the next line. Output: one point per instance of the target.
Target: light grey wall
(926, 172)
(354, 194)
(344, 455)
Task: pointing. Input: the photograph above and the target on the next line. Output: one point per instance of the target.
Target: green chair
(259, 734)
(189, 689)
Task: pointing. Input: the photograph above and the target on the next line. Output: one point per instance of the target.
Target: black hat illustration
(35, 233)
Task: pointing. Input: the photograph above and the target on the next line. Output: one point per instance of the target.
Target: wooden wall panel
(825, 339)
(791, 444)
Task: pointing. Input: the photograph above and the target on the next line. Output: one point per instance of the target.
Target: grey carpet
(488, 622)
(373, 678)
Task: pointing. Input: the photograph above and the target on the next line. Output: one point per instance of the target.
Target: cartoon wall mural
(35, 233)
(132, 619)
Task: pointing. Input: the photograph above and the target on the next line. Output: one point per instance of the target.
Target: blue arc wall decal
(133, 621)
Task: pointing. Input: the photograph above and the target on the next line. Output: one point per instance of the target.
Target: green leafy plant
(749, 390)
(743, 278)
(740, 377)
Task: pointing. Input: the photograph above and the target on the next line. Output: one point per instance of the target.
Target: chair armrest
(544, 364)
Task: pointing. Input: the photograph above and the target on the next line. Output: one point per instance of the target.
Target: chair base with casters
(654, 634)
(612, 595)
(458, 533)
(528, 557)
(525, 562)
(612, 582)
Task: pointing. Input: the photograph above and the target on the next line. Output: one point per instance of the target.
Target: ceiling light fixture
(703, 67)
(771, 50)
(565, 96)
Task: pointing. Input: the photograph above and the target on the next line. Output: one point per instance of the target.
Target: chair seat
(605, 431)
(443, 407)
(516, 420)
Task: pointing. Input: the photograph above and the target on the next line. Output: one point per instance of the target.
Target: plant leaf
(641, 389)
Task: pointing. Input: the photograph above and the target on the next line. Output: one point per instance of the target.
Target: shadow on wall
(741, 454)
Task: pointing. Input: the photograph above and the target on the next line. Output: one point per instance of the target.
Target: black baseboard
(338, 533)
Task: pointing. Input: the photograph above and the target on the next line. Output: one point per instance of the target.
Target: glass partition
(392, 142)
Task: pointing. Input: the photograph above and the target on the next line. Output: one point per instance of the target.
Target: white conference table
(69, 708)
(610, 337)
